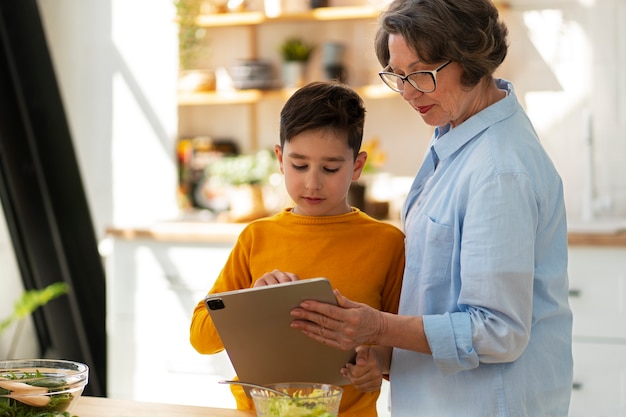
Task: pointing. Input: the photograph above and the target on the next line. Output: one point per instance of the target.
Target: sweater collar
(292, 217)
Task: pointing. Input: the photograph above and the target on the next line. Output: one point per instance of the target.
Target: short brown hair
(324, 105)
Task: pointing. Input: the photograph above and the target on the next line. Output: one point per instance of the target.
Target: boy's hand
(366, 373)
(275, 277)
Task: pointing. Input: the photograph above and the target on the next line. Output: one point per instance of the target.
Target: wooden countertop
(215, 232)
(597, 239)
(208, 232)
(106, 407)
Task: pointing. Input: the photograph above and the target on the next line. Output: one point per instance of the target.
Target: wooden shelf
(248, 25)
(214, 98)
(254, 96)
(230, 19)
(258, 18)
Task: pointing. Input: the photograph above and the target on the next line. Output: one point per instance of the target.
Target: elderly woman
(484, 326)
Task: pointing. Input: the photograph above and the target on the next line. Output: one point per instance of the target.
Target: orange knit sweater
(362, 257)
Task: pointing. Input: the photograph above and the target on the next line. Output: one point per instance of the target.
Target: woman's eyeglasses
(424, 81)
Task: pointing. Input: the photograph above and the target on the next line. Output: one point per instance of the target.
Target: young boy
(321, 129)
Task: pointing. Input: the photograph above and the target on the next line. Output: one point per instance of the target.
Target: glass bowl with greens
(304, 400)
(40, 387)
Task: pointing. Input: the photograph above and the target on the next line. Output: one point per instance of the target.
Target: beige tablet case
(254, 325)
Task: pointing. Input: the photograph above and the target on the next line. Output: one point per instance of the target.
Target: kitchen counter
(106, 407)
(597, 239)
(210, 232)
(213, 232)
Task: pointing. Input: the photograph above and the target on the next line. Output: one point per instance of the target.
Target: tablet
(254, 325)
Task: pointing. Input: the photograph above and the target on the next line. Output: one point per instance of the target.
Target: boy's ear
(278, 151)
(359, 164)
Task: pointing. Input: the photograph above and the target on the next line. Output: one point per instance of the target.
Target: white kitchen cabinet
(598, 301)
(152, 289)
(599, 380)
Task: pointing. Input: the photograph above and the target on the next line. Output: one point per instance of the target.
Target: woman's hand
(275, 277)
(366, 373)
(343, 327)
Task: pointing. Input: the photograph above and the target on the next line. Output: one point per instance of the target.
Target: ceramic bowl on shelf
(253, 73)
(196, 81)
(303, 400)
(33, 387)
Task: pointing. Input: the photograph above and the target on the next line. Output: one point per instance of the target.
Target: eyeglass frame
(405, 79)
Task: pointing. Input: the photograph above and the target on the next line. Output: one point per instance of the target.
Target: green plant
(191, 42)
(243, 169)
(295, 49)
(30, 301)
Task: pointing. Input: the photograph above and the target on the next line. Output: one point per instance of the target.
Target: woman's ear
(278, 150)
(359, 164)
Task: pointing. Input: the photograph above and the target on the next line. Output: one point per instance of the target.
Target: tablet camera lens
(216, 304)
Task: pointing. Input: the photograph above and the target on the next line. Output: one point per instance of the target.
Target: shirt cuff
(450, 339)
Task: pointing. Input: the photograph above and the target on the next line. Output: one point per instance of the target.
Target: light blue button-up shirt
(486, 267)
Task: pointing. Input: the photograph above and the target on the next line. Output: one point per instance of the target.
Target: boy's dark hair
(324, 105)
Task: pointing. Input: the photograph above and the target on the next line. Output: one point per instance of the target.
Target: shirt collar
(456, 138)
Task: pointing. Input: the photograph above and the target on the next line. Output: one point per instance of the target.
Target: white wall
(116, 64)
(567, 59)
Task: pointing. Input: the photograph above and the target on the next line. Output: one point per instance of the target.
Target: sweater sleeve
(203, 335)
(235, 275)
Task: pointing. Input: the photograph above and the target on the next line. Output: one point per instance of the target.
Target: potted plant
(295, 53)
(243, 177)
(29, 302)
(295, 49)
(191, 41)
(192, 47)
(247, 169)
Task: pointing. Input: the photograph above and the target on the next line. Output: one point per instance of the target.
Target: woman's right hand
(275, 277)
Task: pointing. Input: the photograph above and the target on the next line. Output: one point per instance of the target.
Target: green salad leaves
(58, 403)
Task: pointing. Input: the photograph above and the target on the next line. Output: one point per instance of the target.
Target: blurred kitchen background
(146, 129)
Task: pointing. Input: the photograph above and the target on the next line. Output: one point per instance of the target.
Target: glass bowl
(32, 387)
(305, 400)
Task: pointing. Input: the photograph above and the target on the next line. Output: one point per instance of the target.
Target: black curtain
(43, 198)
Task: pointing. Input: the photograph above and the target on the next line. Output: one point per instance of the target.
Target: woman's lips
(424, 109)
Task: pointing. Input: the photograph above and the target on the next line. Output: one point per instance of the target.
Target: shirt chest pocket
(429, 251)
